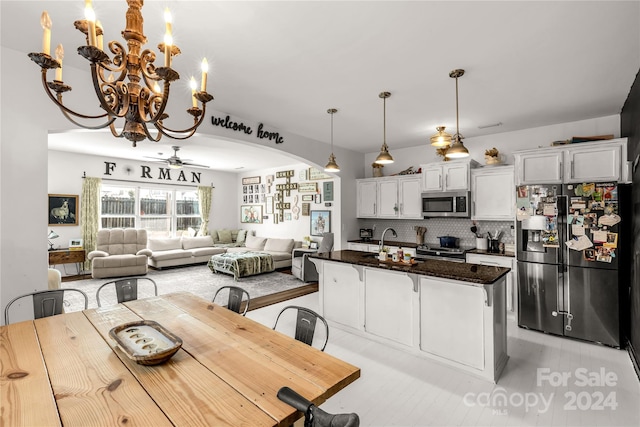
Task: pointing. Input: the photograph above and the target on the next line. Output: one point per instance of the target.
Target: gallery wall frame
(317, 174)
(63, 209)
(308, 187)
(251, 180)
(251, 214)
(327, 190)
(320, 222)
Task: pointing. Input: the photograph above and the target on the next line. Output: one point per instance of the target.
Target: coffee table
(241, 264)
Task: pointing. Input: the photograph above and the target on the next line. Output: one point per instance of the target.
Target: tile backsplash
(436, 227)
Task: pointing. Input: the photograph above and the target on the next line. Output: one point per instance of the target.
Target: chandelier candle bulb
(168, 38)
(90, 16)
(99, 35)
(193, 85)
(45, 21)
(168, 41)
(205, 68)
(59, 57)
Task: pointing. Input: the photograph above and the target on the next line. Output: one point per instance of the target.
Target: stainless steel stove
(438, 252)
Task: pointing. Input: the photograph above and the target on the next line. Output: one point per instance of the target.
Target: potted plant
(384, 254)
(492, 157)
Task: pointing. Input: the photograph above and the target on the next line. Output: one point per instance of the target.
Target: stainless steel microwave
(451, 204)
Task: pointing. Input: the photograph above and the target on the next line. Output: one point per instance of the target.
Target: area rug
(197, 279)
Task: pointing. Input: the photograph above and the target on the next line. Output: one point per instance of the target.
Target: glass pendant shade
(332, 166)
(442, 138)
(384, 158)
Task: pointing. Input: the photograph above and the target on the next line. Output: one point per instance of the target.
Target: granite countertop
(471, 273)
(386, 242)
(483, 252)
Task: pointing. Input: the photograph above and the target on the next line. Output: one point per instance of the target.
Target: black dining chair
(314, 416)
(127, 288)
(306, 320)
(234, 301)
(47, 303)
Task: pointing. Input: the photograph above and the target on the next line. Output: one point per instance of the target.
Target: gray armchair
(120, 252)
(302, 267)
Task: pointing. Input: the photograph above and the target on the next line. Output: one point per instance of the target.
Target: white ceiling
(284, 63)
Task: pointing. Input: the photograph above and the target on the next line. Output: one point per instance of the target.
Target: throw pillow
(255, 243)
(279, 245)
(224, 236)
(242, 235)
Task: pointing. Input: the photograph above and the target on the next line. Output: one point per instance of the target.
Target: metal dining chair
(234, 302)
(127, 288)
(314, 416)
(46, 303)
(306, 320)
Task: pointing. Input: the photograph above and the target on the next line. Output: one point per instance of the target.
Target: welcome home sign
(227, 123)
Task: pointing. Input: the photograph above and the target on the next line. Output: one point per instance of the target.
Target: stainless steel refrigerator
(569, 246)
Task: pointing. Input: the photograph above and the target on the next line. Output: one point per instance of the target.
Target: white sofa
(170, 252)
(279, 249)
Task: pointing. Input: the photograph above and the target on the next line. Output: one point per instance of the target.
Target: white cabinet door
(456, 176)
(493, 193)
(388, 199)
(539, 167)
(367, 195)
(341, 293)
(432, 178)
(593, 164)
(453, 176)
(364, 247)
(459, 335)
(500, 261)
(410, 198)
(388, 305)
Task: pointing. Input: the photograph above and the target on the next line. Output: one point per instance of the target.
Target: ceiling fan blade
(195, 165)
(155, 158)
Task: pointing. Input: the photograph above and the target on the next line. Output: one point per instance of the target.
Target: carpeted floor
(197, 279)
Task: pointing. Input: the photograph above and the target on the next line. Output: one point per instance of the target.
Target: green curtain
(204, 200)
(90, 214)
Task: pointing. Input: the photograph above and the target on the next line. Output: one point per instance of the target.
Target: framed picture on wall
(320, 222)
(63, 209)
(269, 205)
(251, 214)
(327, 189)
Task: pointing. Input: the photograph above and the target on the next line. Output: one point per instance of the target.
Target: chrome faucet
(382, 238)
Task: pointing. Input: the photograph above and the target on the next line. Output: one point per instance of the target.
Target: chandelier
(134, 94)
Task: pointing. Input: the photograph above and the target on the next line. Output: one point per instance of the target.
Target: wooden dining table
(67, 370)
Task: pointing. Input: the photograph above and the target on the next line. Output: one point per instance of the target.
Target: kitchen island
(449, 311)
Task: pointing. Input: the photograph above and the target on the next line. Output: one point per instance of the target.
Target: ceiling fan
(176, 162)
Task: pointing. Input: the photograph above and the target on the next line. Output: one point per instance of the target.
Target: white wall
(506, 143)
(295, 228)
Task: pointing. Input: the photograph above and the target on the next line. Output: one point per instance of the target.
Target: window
(162, 212)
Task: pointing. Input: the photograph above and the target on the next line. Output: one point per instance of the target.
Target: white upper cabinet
(580, 162)
(389, 197)
(409, 195)
(539, 167)
(493, 193)
(600, 163)
(447, 176)
(367, 194)
(388, 205)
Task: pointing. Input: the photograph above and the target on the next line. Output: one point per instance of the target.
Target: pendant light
(332, 166)
(441, 139)
(457, 149)
(384, 157)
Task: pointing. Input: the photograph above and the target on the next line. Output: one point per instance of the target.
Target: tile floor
(548, 381)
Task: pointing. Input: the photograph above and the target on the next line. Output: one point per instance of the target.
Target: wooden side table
(66, 256)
